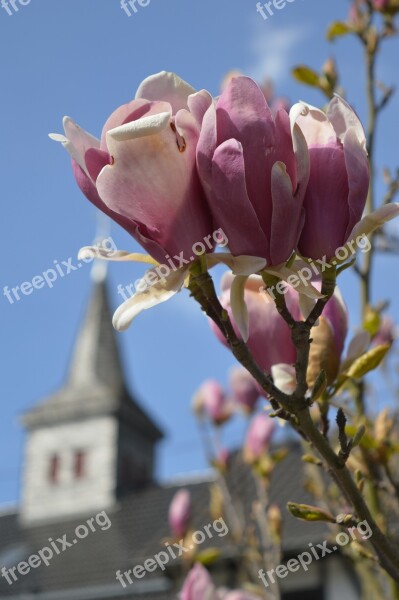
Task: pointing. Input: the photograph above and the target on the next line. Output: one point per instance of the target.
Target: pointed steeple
(96, 360)
(95, 383)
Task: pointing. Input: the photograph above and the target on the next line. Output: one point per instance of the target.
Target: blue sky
(84, 59)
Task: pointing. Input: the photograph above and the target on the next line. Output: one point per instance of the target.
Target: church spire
(96, 383)
(96, 359)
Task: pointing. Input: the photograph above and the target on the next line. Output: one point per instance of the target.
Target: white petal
(284, 377)
(238, 306)
(227, 281)
(166, 86)
(297, 110)
(150, 295)
(240, 265)
(140, 128)
(299, 143)
(343, 117)
(302, 156)
(313, 122)
(58, 137)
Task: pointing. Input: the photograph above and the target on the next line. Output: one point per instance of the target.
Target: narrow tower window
(54, 469)
(79, 466)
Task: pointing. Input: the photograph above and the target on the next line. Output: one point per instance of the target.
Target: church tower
(89, 443)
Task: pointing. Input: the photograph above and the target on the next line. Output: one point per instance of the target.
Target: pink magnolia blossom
(142, 173)
(269, 337)
(245, 389)
(339, 177)
(180, 513)
(259, 436)
(210, 400)
(254, 172)
(199, 586)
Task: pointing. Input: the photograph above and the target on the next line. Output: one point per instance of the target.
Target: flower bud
(210, 401)
(180, 513)
(258, 438)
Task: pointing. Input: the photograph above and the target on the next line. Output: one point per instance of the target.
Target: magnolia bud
(180, 513)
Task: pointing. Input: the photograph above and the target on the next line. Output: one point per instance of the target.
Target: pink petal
(206, 147)
(80, 139)
(153, 180)
(243, 114)
(231, 205)
(326, 202)
(198, 104)
(90, 191)
(95, 160)
(286, 209)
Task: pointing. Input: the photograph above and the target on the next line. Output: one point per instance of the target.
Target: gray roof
(139, 527)
(95, 383)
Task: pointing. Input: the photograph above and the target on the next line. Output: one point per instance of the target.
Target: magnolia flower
(339, 177)
(254, 168)
(199, 586)
(180, 513)
(210, 400)
(244, 388)
(269, 337)
(267, 88)
(142, 173)
(258, 438)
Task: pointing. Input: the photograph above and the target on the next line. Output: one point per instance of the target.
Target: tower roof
(95, 383)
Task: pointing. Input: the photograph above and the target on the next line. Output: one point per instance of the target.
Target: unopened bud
(309, 513)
